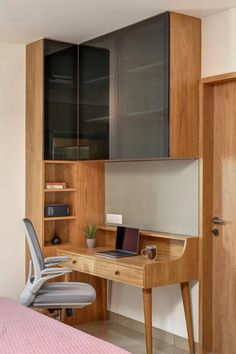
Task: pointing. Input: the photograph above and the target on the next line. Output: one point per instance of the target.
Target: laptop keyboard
(120, 253)
(115, 253)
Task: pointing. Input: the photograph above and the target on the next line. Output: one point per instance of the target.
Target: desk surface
(173, 264)
(134, 261)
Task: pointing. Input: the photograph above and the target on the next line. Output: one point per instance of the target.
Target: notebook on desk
(127, 242)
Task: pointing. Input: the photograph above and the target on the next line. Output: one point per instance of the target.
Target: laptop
(127, 242)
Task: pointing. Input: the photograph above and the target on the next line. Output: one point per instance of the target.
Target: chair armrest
(57, 259)
(52, 261)
(47, 274)
(51, 271)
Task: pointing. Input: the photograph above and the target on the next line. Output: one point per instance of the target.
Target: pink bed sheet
(23, 330)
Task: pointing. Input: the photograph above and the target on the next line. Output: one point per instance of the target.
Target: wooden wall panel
(208, 90)
(185, 73)
(91, 197)
(35, 196)
(34, 101)
(205, 214)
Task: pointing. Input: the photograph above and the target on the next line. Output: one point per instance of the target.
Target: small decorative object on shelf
(56, 240)
(55, 185)
(90, 233)
(56, 210)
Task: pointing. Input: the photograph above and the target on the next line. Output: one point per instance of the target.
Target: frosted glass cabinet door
(124, 93)
(143, 117)
(60, 100)
(93, 102)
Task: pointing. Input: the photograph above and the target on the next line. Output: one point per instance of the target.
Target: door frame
(206, 146)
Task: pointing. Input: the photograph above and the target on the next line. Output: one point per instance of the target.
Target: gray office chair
(57, 295)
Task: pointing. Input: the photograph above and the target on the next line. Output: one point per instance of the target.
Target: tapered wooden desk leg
(104, 298)
(147, 305)
(188, 314)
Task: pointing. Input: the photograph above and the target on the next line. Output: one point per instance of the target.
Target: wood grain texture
(217, 140)
(119, 273)
(224, 206)
(219, 79)
(185, 73)
(205, 215)
(64, 227)
(34, 101)
(145, 233)
(181, 269)
(188, 314)
(137, 270)
(35, 196)
(34, 201)
(147, 306)
(91, 197)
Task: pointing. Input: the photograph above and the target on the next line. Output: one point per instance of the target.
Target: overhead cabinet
(130, 94)
(129, 98)
(60, 100)
(139, 90)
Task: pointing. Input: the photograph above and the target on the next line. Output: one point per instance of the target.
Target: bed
(23, 330)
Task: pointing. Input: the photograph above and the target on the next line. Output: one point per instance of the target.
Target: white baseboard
(157, 333)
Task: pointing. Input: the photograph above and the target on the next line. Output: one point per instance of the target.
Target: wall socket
(114, 219)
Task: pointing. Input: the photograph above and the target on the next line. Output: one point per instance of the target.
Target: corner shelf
(60, 190)
(60, 162)
(60, 218)
(48, 244)
(158, 234)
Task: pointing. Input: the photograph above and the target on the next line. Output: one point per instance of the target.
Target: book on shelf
(55, 185)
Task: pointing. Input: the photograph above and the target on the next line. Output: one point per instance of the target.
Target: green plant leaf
(90, 231)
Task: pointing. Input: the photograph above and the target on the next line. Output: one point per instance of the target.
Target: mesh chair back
(33, 243)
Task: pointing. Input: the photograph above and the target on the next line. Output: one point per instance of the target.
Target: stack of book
(55, 185)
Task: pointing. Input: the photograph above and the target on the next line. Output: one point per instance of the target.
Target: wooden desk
(177, 262)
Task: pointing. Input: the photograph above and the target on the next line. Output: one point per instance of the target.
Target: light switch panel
(114, 219)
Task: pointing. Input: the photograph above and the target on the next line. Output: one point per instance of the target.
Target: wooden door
(224, 207)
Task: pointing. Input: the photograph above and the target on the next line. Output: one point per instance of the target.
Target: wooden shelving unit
(51, 246)
(59, 190)
(71, 217)
(85, 192)
(62, 226)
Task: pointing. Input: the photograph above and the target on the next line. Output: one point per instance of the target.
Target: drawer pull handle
(117, 272)
(74, 261)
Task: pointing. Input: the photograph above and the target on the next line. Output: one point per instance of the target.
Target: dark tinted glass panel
(94, 66)
(143, 90)
(127, 239)
(124, 93)
(60, 101)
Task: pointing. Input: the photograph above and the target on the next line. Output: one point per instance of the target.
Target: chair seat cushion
(55, 295)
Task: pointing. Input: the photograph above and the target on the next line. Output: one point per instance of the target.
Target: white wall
(219, 43)
(154, 195)
(168, 190)
(218, 56)
(12, 165)
(168, 312)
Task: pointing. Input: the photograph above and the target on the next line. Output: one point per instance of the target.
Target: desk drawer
(123, 274)
(81, 264)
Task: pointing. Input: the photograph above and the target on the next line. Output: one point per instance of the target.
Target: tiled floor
(126, 338)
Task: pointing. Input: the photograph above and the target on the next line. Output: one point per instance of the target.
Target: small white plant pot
(91, 242)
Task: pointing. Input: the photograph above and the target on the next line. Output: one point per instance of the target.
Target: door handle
(217, 221)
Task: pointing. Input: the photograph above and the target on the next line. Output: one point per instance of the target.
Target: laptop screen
(127, 239)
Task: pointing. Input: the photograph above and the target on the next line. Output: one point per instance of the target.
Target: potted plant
(90, 233)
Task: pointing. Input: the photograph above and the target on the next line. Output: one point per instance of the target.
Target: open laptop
(127, 242)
